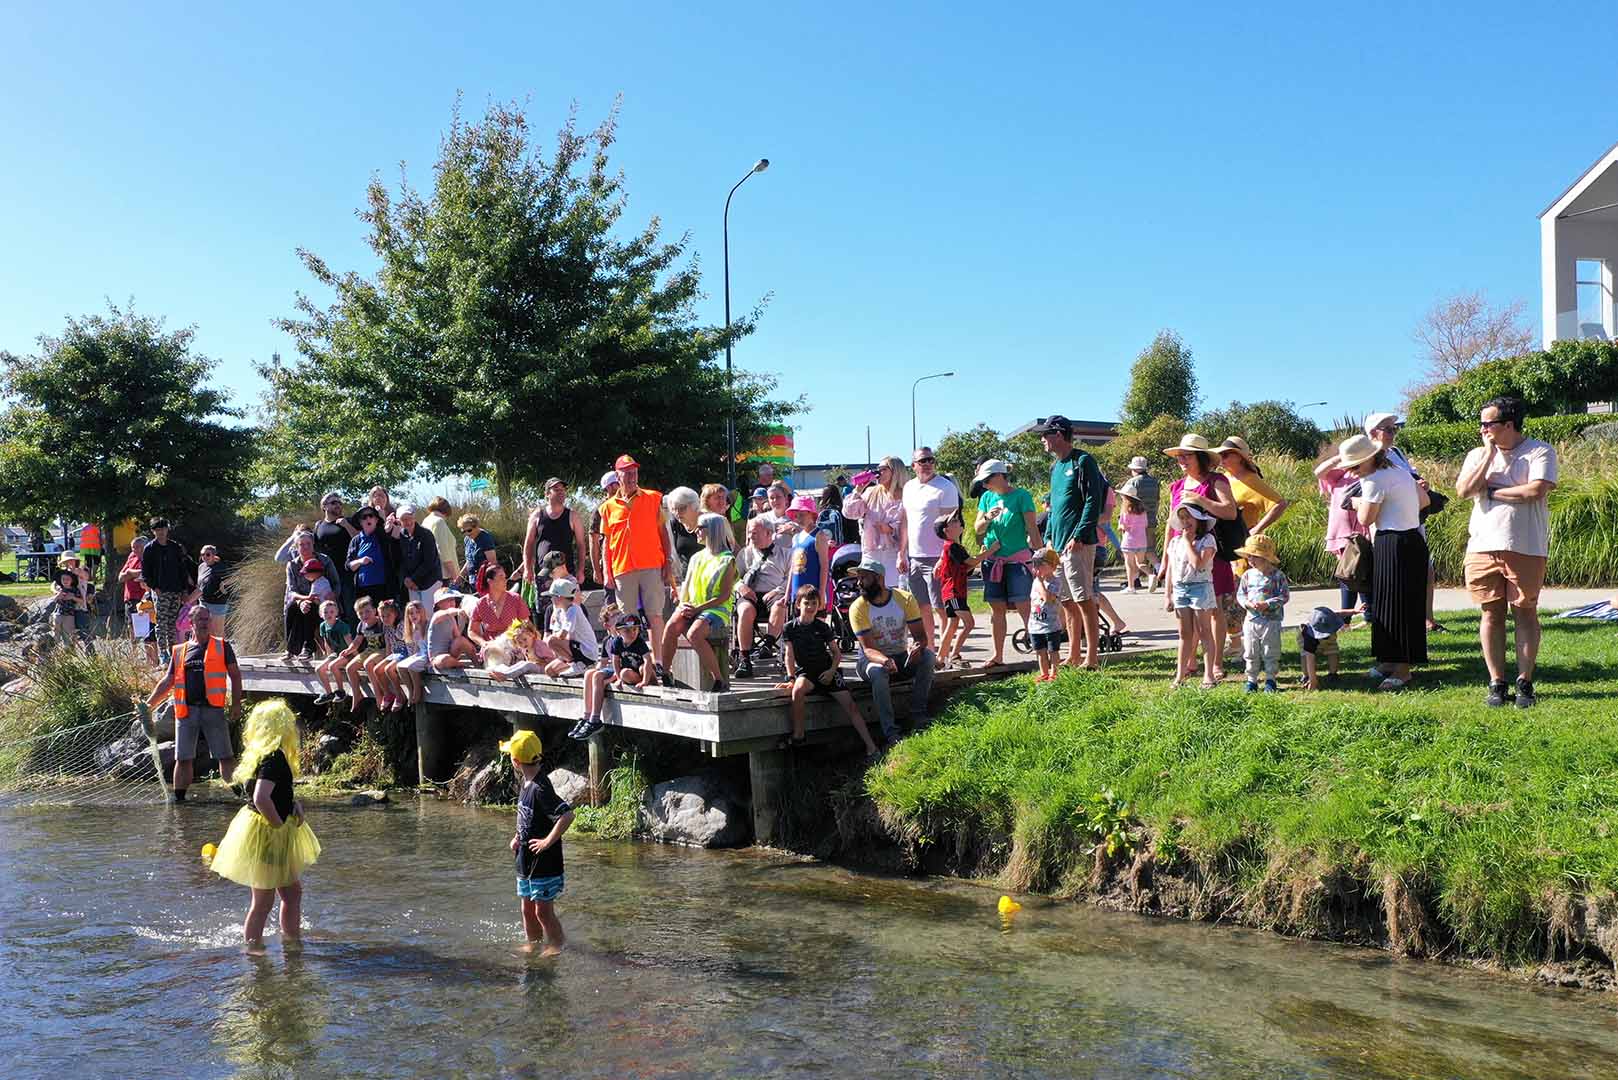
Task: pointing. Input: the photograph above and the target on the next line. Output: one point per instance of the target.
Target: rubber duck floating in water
(208, 852)
(1008, 906)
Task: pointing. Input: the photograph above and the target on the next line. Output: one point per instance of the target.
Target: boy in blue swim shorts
(542, 818)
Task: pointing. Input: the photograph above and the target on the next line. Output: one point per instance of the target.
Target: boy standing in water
(542, 818)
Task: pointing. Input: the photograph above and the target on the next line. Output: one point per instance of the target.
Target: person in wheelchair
(761, 600)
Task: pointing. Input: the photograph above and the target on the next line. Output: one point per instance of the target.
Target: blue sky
(1022, 199)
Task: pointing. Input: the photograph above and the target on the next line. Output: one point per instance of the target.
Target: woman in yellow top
(1259, 504)
(707, 600)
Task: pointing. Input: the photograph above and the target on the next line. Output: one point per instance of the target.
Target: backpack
(1354, 565)
(1228, 536)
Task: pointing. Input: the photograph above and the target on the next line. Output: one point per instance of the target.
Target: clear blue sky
(1023, 198)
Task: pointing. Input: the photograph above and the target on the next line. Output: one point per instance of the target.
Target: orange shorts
(1492, 576)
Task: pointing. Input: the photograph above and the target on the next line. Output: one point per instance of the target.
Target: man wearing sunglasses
(332, 535)
(1509, 480)
(928, 499)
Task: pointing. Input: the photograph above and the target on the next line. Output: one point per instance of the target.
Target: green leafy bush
(1561, 379)
(1454, 440)
(1270, 427)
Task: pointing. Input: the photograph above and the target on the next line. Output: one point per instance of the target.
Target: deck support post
(767, 773)
(430, 740)
(597, 745)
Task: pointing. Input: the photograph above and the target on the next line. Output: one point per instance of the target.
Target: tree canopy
(1562, 379)
(1460, 332)
(959, 453)
(1162, 382)
(511, 327)
(1270, 427)
(112, 420)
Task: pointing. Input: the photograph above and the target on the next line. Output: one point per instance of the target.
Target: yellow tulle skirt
(259, 855)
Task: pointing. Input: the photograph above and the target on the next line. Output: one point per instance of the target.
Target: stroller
(845, 590)
(1106, 640)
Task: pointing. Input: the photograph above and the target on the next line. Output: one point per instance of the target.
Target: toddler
(1263, 593)
(1139, 559)
(1045, 613)
(1189, 565)
(518, 651)
(1318, 637)
(448, 647)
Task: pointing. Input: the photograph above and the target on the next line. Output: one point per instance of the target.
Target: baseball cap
(609, 479)
(1058, 424)
(405, 508)
(625, 462)
(630, 619)
(873, 564)
(761, 493)
(552, 482)
(313, 566)
(1377, 419)
(524, 747)
(562, 587)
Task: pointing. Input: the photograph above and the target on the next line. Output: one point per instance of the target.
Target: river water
(120, 956)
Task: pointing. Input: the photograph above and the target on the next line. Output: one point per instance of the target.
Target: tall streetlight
(1311, 404)
(918, 382)
(730, 384)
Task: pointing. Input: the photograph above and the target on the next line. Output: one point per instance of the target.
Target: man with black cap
(1078, 492)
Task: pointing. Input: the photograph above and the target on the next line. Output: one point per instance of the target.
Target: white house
(1578, 256)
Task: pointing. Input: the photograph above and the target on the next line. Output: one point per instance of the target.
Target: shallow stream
(120, 955)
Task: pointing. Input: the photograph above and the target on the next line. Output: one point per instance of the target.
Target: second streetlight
(918, 382)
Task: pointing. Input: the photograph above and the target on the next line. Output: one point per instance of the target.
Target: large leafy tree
(113, 419)
(512, 327)
(960, 452)
(1162, 382)
(1270, 427)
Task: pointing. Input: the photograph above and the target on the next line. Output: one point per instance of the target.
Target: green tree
(1562, 379)
(112, 420)
(1162, 382)
(960, 452)
(1270, 427)
(512, 327)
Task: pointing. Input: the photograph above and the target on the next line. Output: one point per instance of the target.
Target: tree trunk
(502, 482)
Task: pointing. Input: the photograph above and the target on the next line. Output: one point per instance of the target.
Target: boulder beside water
(572, 787)
(697, 810)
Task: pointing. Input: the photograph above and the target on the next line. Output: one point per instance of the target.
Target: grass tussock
(71, 692)
(1446, 827)
(619, 817)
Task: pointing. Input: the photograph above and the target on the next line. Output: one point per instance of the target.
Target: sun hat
(313, 566)
(804, 504)
(1130, 487)
(873, 565)
(562, 587)
(1190, 443)
(1196, 512)
(625, 462)
(1237, 445)
(1259, 545)
(986, 470)
(1139, 464)
(1054, 425)
(1377, 419)
(405, 508)
(1325, 622)
(66, 555)
(448, 594)
(1355, 450)
(524, 747)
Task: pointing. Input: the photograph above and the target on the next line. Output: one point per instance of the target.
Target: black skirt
(1398, 607)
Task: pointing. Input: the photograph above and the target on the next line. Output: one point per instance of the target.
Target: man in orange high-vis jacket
(639, 551)
(195, 680)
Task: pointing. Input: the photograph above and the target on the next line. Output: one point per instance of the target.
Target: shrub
(1270, 427)
(1561, 379)
(1452, 441)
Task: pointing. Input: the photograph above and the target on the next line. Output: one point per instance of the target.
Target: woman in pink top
(880, 511)
(1341, 521)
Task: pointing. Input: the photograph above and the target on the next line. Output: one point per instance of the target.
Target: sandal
(1391, 684)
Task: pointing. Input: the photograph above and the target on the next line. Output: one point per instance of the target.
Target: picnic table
(36, 565)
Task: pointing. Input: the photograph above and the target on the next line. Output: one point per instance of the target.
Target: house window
(1592, 286)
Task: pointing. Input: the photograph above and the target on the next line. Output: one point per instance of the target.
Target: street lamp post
(730, 383)
(918, 382)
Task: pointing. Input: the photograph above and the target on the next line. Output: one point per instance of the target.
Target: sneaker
(1270, 687)
(664, 677)
(1525, 694)
(591, 726)
(744, 668)
(1497, 694)
(575, 669)
(1252, 687)
(720, 686)
(577, 730)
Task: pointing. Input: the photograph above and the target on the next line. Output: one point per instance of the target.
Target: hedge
(1454, 440)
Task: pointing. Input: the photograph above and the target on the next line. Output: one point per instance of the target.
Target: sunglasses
(1490, 423)
(925, 460)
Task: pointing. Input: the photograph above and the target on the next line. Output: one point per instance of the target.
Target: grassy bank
(1422, 821)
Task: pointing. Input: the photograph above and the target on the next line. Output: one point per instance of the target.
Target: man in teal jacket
(1078, 493)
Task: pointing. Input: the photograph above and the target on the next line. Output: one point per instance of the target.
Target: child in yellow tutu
(268, 845)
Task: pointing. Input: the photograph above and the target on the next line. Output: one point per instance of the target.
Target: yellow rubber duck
(208, 852)
(1008, 906)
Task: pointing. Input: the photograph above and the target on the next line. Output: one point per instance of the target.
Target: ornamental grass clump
(1421, 821)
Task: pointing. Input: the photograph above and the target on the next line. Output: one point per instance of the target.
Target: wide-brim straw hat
(1237, 445)
(1355, 450)
(1190, 443)
(1260, 546)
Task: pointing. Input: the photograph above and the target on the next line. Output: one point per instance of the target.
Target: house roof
(1586, 178)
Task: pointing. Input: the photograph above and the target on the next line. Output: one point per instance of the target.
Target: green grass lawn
(8, 564)
(1476, 832)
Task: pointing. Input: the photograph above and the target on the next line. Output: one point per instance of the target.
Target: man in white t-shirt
(928, 499)
(1508, 479)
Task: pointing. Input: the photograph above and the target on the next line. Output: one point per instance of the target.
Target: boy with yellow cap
(542, 818)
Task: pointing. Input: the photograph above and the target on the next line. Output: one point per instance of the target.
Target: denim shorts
(717, 626)
(1196, 595)
(1015, 586)
(1046, 642)
(544, 889)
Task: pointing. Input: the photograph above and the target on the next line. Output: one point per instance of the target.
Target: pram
(1106, 640)
(845, 589)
